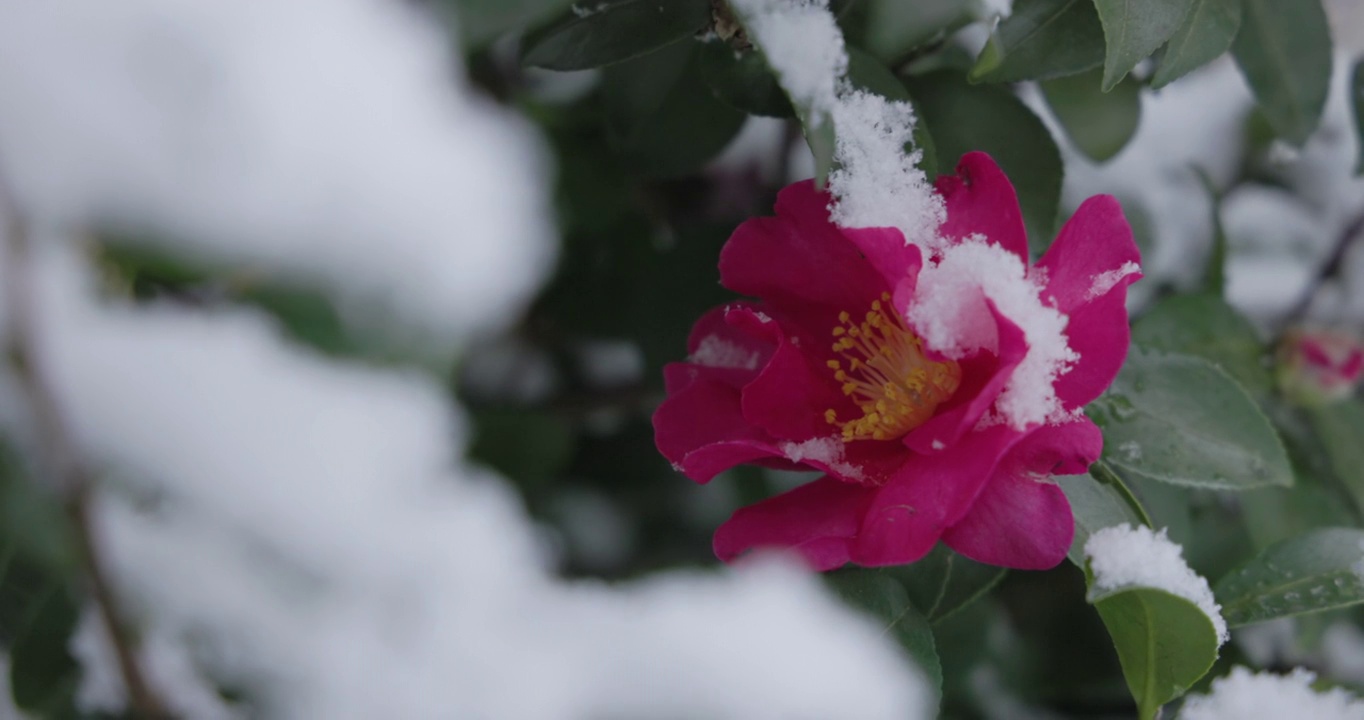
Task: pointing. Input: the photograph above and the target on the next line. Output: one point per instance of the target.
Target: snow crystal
(804, 47)
(950, 313)
(1121, 556)
(876, 183)
(1131, 450)
(1244, 694)
(715, 351)
(827, 451)
(330, 140)
(1104, 281)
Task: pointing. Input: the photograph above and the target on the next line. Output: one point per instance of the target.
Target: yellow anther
(887, 376)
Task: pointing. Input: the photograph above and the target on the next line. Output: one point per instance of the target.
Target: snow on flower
(937, 392)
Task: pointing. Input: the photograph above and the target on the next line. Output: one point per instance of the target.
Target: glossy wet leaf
(743, 81)
(1099, 123)
(943, 582)
(896, 27)
(1207, 31)
(1165, 643)
(1204, 325)
(1339, 427)
(615, 31)
(1179, 419)
(1319, 570)
(1284, 51)
(480, 21)
(1042, 39)
(1095, 505)
(1134, 29)
(663, 119)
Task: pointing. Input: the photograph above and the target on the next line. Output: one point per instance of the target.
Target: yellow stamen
(892, 383)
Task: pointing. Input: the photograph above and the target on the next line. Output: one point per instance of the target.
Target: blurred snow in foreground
(307, 528)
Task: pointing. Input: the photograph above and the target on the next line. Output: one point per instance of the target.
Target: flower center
(885, 373)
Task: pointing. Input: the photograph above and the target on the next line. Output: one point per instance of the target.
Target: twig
(1328, 271)
(70, 478)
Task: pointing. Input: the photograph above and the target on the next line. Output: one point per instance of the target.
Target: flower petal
(1021, 519)
(980, 199)
(818, 520)
(700, 427)
(790, 396)
(928, 495)
(798, 258)
(1017, 522)
(1088, 270)
(982, 379)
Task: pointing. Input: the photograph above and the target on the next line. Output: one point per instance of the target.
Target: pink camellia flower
(939, 390)
(1317, 366)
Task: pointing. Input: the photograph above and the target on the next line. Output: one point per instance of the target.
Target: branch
(1328, 271)
(58, 454)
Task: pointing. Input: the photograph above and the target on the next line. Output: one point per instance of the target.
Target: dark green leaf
(1207, 31)
(1042, 39)
(480, 21)
(1099, 123)
(1207, 327)
(895, 27)
(1164, 642)
(882, 597)
(1357, 107)
(1275, 514)
(1320, 570)
(1215, 274)
(42, 673)
(527, 446)
(942, 583)
(867, 73)
(1340, 429)
(1178, 419)
(663, 119)
(1284, 50)
(1095, 505)
(743, 81)
(616, 31)
(963, 118)
(1134, 29)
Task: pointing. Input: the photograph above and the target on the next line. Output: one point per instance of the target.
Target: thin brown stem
(59, 457)
(1329, 270)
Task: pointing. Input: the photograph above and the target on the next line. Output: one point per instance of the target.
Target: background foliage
(647, 108)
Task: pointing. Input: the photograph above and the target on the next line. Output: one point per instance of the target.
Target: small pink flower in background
(939, 394)
(1317, 366)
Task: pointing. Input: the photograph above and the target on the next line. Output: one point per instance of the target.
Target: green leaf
(1340, 429)
(1042, 39)
(1099, 123)
(1284, 50)
(616, 31)
(663, 120)
(527, 446)
(1215, 274)
(1357, 107)
(1095, 505)
(963, 118)
(743, 81)
(1207, 31)
(1204, 325)
(867, 73)
(1134, 29)
(42, 674)
(1179, 419)
(885, 599)
(895, 27)
(1164, 642)
(943, 582)
(481, 21)
(1320, 570)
